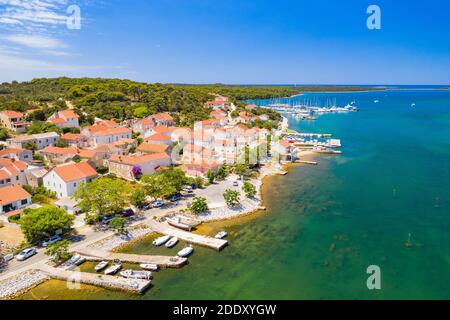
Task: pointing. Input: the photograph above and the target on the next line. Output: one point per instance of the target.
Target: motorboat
(176, 222)
(102, 265)
(149, 266)
(114, 268)
(185, 251)
(221, 235)
(172, 242)
(133, 274)
(161, 240)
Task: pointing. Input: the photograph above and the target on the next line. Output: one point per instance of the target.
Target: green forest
(124, 99)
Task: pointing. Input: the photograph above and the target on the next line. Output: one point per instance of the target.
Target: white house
(12, 171)
(122, 166)
(65, 179)
(66, 118)
(13, 198)
(41, 140)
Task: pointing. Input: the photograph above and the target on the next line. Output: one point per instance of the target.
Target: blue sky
(228, 41)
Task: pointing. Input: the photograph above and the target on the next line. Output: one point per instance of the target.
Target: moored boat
(161, 240)
(133, 274)
(221, 235)
(185, 251)
(172, 242)
(114, 268)
(102, 265)
(149, 266)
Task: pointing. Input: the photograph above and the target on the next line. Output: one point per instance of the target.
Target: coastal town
(218, 164)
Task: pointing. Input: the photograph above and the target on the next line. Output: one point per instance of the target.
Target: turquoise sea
(325, 225)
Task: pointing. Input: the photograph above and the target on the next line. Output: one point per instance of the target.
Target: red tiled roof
(12, 114)
(152, 148)
(10, 151)
(71, 136)
(158, 137)
(113, 131)
(57, 120)
(135, 160)
(75, 171)
(12, 194)
(162, 116)
(68, 114)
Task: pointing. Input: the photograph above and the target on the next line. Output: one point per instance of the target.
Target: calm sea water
(325, 225)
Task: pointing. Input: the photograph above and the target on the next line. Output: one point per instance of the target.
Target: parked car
(235, 183)
(107, 219)
(145, 206)
(175, 197)
(126, 213)
(188, 189)
(158, 204)
(25, 254)
(51, 240)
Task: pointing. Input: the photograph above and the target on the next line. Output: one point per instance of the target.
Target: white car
(25, 254)
(235, 183)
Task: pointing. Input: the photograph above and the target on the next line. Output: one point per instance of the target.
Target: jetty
(100, 280)
(162, 261)
(164, 228)
(314, 163)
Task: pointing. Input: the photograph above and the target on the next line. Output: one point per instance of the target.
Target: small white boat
(114, 268)
(161, 240)
(172, 242)
(133, 274)
(221, 235)
(413, 105)
(149, 266)
(376, 101)
(185, 251)
(102, 265)
(176, 222)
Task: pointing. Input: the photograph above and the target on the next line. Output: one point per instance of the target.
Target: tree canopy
(103, 196)
(38, 224)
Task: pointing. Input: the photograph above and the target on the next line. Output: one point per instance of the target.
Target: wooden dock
(100, 280)
(162, 261)
(164, 228)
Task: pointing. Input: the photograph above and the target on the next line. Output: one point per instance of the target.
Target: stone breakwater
(20, 283)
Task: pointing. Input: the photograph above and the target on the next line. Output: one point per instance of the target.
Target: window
(17, 178)
(25, 201)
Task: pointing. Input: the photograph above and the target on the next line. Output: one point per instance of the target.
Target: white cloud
(35, 41)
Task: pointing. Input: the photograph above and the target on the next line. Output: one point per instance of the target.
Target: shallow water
(325, 225)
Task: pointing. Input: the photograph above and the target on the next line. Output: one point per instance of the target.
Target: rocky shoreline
(19, 284)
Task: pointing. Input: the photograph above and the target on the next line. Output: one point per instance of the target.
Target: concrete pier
(100, 280)
(162, 261)
(166, 229)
